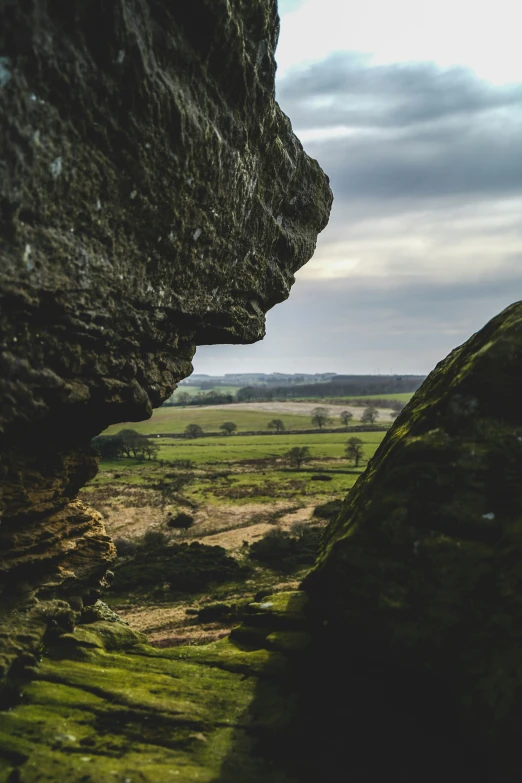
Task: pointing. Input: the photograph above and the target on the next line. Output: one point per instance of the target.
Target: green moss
(104, 706)
(285, 608)
(289, 641)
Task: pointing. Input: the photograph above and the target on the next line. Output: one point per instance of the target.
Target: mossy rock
(125, 711)
(423, 565)
(265, 704)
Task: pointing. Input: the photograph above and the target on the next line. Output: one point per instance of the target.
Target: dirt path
(234, 539)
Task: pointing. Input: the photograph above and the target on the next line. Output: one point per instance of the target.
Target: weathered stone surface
(422, 567)
(153, 197)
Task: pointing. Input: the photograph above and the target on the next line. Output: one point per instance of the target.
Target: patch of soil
(237, 538)
(169, 624)
(219, 520)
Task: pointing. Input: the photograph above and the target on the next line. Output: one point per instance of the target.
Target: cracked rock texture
(422, 567)
(152, 198)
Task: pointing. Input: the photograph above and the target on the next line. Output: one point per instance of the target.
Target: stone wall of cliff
(153, 197)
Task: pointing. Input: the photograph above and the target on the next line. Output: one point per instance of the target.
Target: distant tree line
(182, 399)
(341, 386)
(338, 387)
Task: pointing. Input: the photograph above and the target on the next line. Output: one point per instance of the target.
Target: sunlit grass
(230, 449)
(170, 419)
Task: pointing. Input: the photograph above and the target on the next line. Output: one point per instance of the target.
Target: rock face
(422, 567)
(153, 197)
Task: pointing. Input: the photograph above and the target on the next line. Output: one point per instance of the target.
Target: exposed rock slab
(422, 567)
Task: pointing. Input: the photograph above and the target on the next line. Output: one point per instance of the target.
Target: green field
(250, 447)
(230, 449)
(173, 420)
(257, 465)
(237, 490)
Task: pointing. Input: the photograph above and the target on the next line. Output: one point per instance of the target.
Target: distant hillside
(340, 386)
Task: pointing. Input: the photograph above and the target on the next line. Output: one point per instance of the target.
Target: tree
(107, 446)
(182, 398)
(193, 431)
(150, 449)
(354, 450)
(245, 394)
(276, 424)
(298, 455)
(127, 439)
(228, 427)
(133, 444)
(320, 417)
(182, 521)
(369, 415)
(345, 417)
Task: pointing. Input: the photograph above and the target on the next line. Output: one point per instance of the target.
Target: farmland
(252, 416)
(172, 420)
(237, 490)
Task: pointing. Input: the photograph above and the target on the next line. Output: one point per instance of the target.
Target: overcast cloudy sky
(414, 110)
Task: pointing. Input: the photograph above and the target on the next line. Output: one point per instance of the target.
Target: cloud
(424, 244)
(347, 89)
(483, 161)
(449, 239)
(353, 325)
(406, 132)
(482, 36)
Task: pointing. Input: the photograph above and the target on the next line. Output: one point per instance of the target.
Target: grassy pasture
(238, 490)
(230, 449)
(256, 465)
(170, 419)
(266, 486)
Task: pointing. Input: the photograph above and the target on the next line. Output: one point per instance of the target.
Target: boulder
(421, 569)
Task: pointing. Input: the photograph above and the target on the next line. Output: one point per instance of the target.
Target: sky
(414, 110)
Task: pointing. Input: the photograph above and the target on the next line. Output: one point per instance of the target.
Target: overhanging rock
(153, 197)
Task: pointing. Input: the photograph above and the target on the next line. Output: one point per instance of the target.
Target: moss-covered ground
(265, 705)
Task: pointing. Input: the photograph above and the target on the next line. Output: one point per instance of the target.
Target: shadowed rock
(421, 568)
(153, 197)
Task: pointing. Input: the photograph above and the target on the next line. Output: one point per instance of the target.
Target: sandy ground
(234, 539)
(226, 526)
(304, 408)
